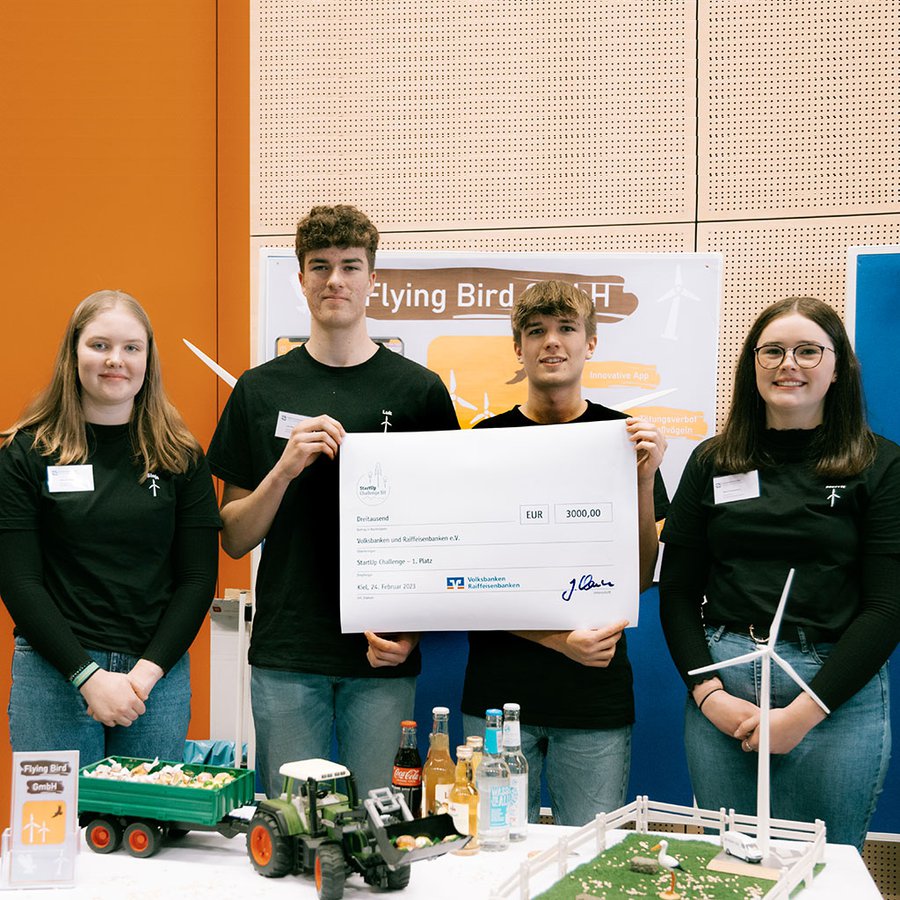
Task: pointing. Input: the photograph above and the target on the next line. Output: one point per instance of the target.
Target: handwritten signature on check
(584, 583)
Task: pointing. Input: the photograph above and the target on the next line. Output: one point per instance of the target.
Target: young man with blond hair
(574, 687)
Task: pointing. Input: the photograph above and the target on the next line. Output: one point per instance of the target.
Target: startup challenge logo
(373, 488)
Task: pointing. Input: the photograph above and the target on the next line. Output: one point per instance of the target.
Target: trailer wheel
(269, 850)
(330, 872)
(399, 878)
(142, 839)
(104, 835)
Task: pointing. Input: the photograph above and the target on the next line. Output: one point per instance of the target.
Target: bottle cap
(475, 740)
(463, 752)
(441, 711)
(511, 707)
(407, 723)
(493, 712)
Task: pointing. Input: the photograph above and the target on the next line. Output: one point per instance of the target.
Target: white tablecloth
(209, 867)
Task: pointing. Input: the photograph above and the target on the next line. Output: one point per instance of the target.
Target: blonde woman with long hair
(108, 546)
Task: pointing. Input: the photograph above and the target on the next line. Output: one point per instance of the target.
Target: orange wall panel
(109, 177)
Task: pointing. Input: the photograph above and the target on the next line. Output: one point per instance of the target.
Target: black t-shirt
(841, 535)
(800, 520)
(553, 690)
(106, 554)
(297, 624)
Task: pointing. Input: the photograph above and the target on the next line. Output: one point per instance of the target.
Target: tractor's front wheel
(330, 872)
(269, 850)
(398, 879)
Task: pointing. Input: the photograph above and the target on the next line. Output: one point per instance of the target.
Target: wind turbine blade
(465, 403)
(224, 374)
(789, 669)
(746, 657)
(627, 404)
(779, 613)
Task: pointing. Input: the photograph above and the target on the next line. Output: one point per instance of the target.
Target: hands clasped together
(740, 719)
(118, 698)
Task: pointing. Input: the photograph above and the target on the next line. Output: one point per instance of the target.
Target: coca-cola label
(404, 777)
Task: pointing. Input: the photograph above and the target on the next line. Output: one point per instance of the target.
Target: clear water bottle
(518, 772)
(492, 781)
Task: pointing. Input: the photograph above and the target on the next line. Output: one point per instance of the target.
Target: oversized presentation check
(513, 528)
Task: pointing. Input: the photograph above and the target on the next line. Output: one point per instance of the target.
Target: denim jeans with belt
(47, 713)
(835, 773)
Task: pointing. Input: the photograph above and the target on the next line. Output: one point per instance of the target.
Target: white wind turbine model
(766, 653)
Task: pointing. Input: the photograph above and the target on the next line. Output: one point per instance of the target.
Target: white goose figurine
(670, 863)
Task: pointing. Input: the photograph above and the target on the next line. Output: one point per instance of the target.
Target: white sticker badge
(286, 423)
(65, 479)
(728, 488)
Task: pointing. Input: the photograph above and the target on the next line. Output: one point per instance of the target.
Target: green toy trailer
(141, 815)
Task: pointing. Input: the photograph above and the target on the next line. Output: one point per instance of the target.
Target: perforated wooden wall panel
(570, 125)
(465, 113)
(769, 260)
(798, 108)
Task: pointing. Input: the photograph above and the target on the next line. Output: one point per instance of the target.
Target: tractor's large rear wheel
(331, 872)
(269, 850)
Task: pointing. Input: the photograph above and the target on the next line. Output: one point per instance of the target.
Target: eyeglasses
(806, 355)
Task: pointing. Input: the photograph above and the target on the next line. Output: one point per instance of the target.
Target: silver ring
(746, 745)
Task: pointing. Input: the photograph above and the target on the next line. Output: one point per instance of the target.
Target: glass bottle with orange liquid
(439, 772)
(463, 805)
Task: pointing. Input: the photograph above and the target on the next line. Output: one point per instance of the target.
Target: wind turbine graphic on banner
(765, 654)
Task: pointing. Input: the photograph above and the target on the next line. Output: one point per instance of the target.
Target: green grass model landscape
(609, 876)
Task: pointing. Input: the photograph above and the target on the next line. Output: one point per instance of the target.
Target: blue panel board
(878, 345)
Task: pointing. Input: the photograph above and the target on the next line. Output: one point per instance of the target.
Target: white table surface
(210, 867)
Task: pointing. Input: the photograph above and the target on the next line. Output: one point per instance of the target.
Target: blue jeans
(47, 713)
(835, 773)
(586, 769)
(296, 713)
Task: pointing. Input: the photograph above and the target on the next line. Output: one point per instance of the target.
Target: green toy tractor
(318, 825)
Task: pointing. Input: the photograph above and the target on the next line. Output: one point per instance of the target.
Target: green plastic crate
(166, 803)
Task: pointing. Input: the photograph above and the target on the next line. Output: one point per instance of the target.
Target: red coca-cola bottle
(407, 777)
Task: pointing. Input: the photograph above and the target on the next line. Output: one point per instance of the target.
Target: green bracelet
(80, 676)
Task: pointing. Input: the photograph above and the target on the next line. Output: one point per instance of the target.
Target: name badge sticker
(729, 488)
(286, 422)
(67, 479)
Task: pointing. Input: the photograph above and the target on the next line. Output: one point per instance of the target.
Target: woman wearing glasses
(795, 480)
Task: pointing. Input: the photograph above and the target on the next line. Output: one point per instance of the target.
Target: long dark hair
(844, 444)
(159, 436)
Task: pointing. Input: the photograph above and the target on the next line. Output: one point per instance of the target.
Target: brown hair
(553, 298)
(336, 226)
(55, 417)
(844, 445)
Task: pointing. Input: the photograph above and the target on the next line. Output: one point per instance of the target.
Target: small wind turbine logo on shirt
(387, 419)
(153, 487)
